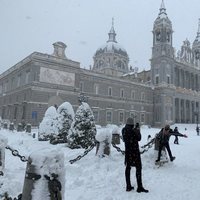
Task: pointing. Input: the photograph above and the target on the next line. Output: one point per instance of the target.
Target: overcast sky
(83, 25)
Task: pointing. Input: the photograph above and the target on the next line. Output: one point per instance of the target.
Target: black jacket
(164, 135)
(131, 137)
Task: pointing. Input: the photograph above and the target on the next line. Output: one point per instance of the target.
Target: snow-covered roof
(111, 47)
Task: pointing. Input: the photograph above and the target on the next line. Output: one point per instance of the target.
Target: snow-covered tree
(65, 119)
(48, 126)
(83, 130)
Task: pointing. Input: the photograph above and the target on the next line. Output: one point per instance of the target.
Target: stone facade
(168, 93)
(176, 78)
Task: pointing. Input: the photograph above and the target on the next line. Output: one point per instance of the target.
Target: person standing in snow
(176, 137)
(131, 137)
(163, 137)
(197, 129)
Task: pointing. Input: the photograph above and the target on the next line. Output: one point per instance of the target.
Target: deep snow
(95, 178)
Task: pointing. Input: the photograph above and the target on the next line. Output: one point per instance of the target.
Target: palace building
(168, 93)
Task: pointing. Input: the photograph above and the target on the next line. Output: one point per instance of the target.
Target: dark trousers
(166, 145)
(176, 140)
(138, 176)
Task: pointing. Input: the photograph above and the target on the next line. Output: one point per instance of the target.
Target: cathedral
(168, 93)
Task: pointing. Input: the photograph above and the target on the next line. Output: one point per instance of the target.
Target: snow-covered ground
(95, 178)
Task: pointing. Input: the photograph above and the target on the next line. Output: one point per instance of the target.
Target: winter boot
(172, 158)
(129, 188)
(141, 189)
(139, 181)
(128, 179)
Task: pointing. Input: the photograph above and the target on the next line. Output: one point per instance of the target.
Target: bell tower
(162, 68)
(162, 50)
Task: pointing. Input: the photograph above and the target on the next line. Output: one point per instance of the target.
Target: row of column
(186, 79)
(186, 111)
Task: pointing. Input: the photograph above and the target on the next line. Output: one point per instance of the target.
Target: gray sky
(83, 25)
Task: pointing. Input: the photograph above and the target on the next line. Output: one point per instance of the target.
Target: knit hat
(167, 127)
(129, 121)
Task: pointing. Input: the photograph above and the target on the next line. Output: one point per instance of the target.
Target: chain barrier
(118, 149)
(147, 146)
(5, 196)
(16, 153)
(84, 154)
(23, 159)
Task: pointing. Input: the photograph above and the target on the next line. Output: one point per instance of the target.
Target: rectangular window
(13, 83)
(168, 79)
(1, 89)
(132, 115)
(142, 96)
(96, 89)
(81, 86)
(109, 91)
(142, 117)
(6, 86)
(133, 95)
(122, 93)
(15, 112)
(121, 117)
(157, 79)
(27, 79)
(19, 80)
(108, 116)
(96, 115)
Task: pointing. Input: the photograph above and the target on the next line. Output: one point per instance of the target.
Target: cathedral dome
(111, 47)
(111, 58)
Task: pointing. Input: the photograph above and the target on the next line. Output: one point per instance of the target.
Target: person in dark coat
(131, 137)
(176, 137)
(197, 129)
(164, 136)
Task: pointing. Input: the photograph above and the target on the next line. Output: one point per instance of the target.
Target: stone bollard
(45, 176)
(11, 127)
(28, 128)
(5, 125)
(3, 144)
(19, 127)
